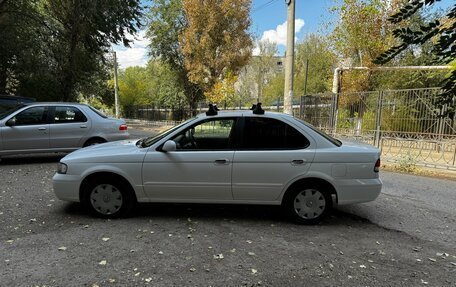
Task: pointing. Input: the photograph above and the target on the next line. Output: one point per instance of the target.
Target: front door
(200, 168)
(29, 130)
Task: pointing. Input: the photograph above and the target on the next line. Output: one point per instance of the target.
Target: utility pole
(116, 86)
(305, 80)
(289, 59)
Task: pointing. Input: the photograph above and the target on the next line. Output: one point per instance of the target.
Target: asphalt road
(407, 237)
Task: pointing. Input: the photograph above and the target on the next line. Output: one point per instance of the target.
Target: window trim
(52, 115)
(46, 111)
(234, 133)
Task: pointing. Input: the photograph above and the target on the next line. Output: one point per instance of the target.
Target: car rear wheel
(308, 204)
(108, 198)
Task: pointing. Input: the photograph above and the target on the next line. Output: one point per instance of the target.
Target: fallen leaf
(251, 253)
(160, 252)
(418, 260)
(9, 241)
(432, 259)
(424, 282)
(102, 262)
(148, 279)
(233, 250)
(254, 271)
(249, 241)
(105, 239)
(193, 269)
(110, 280)
(362, 266)
(137, 274)
(218, 256)
(62, 248)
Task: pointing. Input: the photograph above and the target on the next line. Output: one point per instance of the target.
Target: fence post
(335, 111)
(378, 119)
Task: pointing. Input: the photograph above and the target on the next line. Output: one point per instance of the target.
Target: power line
(269, 3)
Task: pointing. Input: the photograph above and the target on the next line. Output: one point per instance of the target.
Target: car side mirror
(11, 122)
(169, 146)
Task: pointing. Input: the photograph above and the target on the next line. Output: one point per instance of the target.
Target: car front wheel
(308, 205)
(108, 198)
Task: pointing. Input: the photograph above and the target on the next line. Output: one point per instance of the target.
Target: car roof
(243, 113)
(54, 103)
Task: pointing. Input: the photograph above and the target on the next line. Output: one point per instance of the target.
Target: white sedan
(238, 157)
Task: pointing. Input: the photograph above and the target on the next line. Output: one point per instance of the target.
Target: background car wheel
(107, 197)
(94, 142)
(308, 204)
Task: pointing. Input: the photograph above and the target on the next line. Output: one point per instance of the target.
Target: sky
(269, 22)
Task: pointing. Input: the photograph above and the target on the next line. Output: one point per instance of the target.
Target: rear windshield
(98, 112)
(334, 141)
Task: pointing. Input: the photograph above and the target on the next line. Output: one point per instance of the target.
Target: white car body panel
(250, 177)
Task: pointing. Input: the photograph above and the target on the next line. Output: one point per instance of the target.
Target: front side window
(213, 134)
(68, 115)
(271, 134)
(31, 116)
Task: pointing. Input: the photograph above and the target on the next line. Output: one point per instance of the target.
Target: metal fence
(407, 125)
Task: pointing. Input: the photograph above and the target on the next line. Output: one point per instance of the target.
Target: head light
(62, 168)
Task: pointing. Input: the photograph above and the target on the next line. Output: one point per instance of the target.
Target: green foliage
(322, 61)
(166, 22)
(407, 164)
(56, 49)
(441, 32)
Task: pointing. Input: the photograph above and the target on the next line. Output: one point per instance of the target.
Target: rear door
(68, 127)
(271, 154)
(30, 130)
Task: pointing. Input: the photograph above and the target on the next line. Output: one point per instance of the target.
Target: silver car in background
(56, 127)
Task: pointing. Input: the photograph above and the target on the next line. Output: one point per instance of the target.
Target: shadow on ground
(31, 159)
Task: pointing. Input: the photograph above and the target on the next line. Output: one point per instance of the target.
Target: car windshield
(334, 141)
(147, 142)
(10, 111)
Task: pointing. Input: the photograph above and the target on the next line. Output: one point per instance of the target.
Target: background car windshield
(151, 140)
(10, 111)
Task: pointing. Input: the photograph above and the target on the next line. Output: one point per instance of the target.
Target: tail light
(123, 127)
(377, 166)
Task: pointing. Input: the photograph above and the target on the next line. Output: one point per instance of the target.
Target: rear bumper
(358, 190)
(66, 187)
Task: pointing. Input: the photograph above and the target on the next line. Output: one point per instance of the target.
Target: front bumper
(66, 187)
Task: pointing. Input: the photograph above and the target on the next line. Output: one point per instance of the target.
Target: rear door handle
(41, 128)
(83, 126)
(221, 161)
(298, 162)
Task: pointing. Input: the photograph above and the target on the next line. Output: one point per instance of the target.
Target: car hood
(107, 152)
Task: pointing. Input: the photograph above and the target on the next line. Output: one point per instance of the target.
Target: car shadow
(265, 214)
(31, 158)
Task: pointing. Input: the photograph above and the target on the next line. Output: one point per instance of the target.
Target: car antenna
(212, 111)
(258, 110)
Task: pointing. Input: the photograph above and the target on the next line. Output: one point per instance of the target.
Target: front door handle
(41, 128)
(83, 126)
(298, 162)
(221, 161)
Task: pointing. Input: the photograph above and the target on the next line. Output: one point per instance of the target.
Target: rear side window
(68, 115)
(271, 134)
(98, 112)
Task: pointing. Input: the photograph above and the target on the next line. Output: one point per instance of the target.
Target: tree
(215, 41)
(359, 36)
(167, 21)
(322, 60)
(83, 31)
(259, 71)
(442, 32)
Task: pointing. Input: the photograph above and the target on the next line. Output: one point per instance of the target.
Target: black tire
(94, 142)
(307, 204)
(108, 197)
